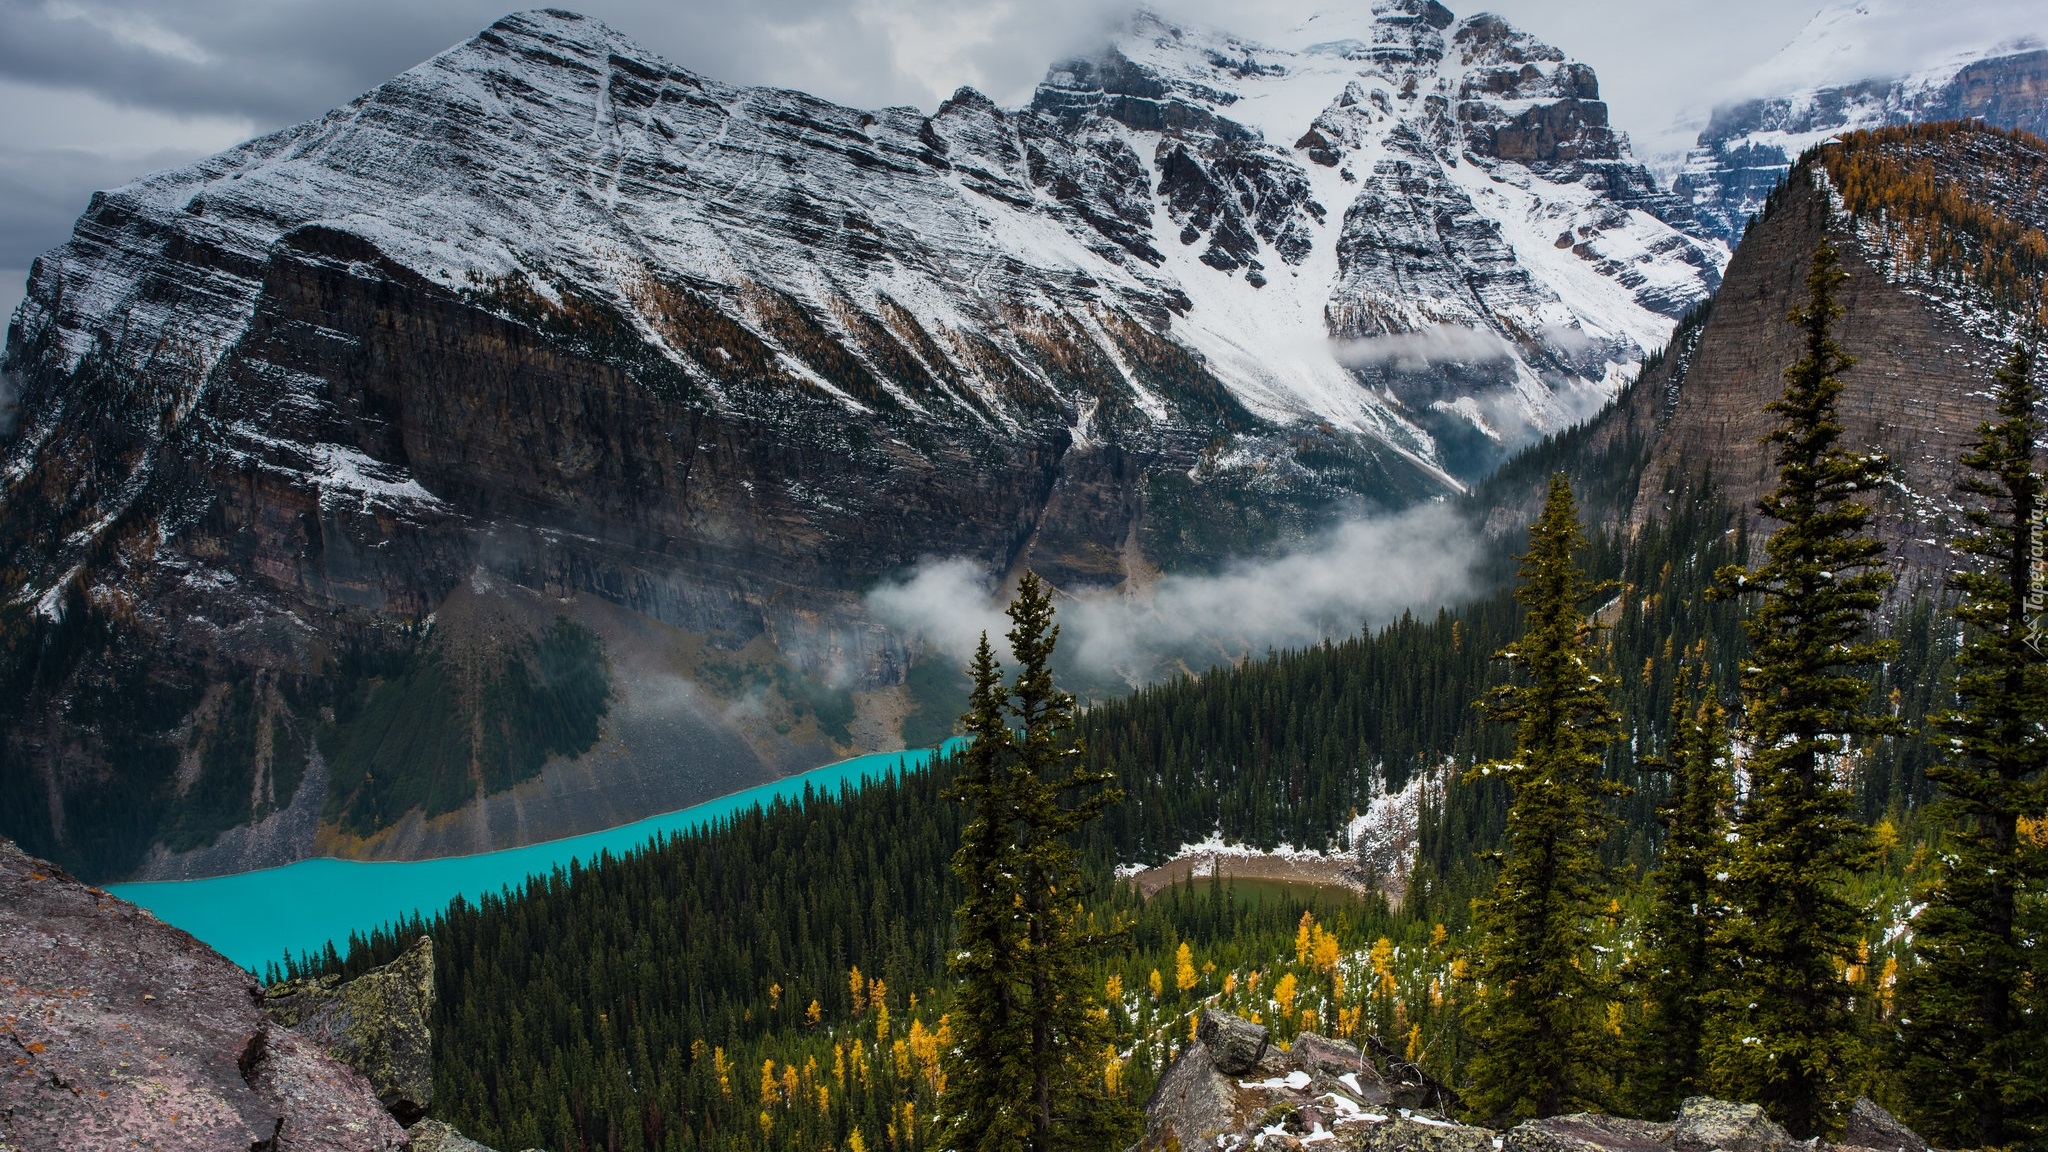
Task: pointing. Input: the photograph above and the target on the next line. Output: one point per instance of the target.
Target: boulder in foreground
(128, 1032)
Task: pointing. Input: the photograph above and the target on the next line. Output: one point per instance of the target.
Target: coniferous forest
(1711, 806)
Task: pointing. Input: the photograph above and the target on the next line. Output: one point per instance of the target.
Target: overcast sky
(96, 92)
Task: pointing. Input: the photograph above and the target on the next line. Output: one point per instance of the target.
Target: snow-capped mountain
(1384, 176)
(1443, 198)
(549, 324)
(1844, 72)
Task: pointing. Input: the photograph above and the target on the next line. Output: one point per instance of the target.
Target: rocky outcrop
(1193, 1102)
(375, 1023)
(1924, 347)
(1234, 1043)
(1320, 1090)
(123, 1031)
(1708, 1125)
(1588, 1132)
(1868, 1125)
(1231, 1084)
(435, 1136)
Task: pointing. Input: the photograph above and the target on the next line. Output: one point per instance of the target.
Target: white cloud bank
(1365, 570)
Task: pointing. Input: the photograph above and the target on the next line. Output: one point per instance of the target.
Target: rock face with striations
(1926, 342)
(1924, 347)
(318, 438)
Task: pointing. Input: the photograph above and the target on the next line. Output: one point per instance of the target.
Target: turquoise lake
(253, 918)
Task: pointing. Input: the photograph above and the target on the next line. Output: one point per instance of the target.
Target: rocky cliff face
(1926, 315)
(1926, 335)
(129, 1033)
(506, 453)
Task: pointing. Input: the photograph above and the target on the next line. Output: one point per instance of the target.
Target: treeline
(595, 1007)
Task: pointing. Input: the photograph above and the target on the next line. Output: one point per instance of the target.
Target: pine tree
(1974, 1043)
(1025, 1070)
(1055, 794)
(1782, 1032)
(1538, 1021)
(1677, 966)
(987, 1106)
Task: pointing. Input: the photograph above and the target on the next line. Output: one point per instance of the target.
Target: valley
(381, 385)
(1276, 593)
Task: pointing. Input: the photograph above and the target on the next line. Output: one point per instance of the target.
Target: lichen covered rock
(1588, 1132)
(1234, 1043)
(436, 1136)
(1708, 1125)
(375, 1023)
(1410, 1134)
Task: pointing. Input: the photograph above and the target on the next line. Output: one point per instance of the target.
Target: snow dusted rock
(1705, 1124)
(1435, 166)
(1234, 1043)
(1870, 1126)
(1315, 1089)
(1319, 1089)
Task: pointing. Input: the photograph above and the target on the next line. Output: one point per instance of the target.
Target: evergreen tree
(1782, 1031)
(1054, 794)
(1538, 1022)
(1676, 967)
(1975, 1048)
(988, 1104)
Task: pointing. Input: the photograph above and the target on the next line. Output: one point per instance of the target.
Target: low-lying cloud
(1367, 570)
(1425, 348)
